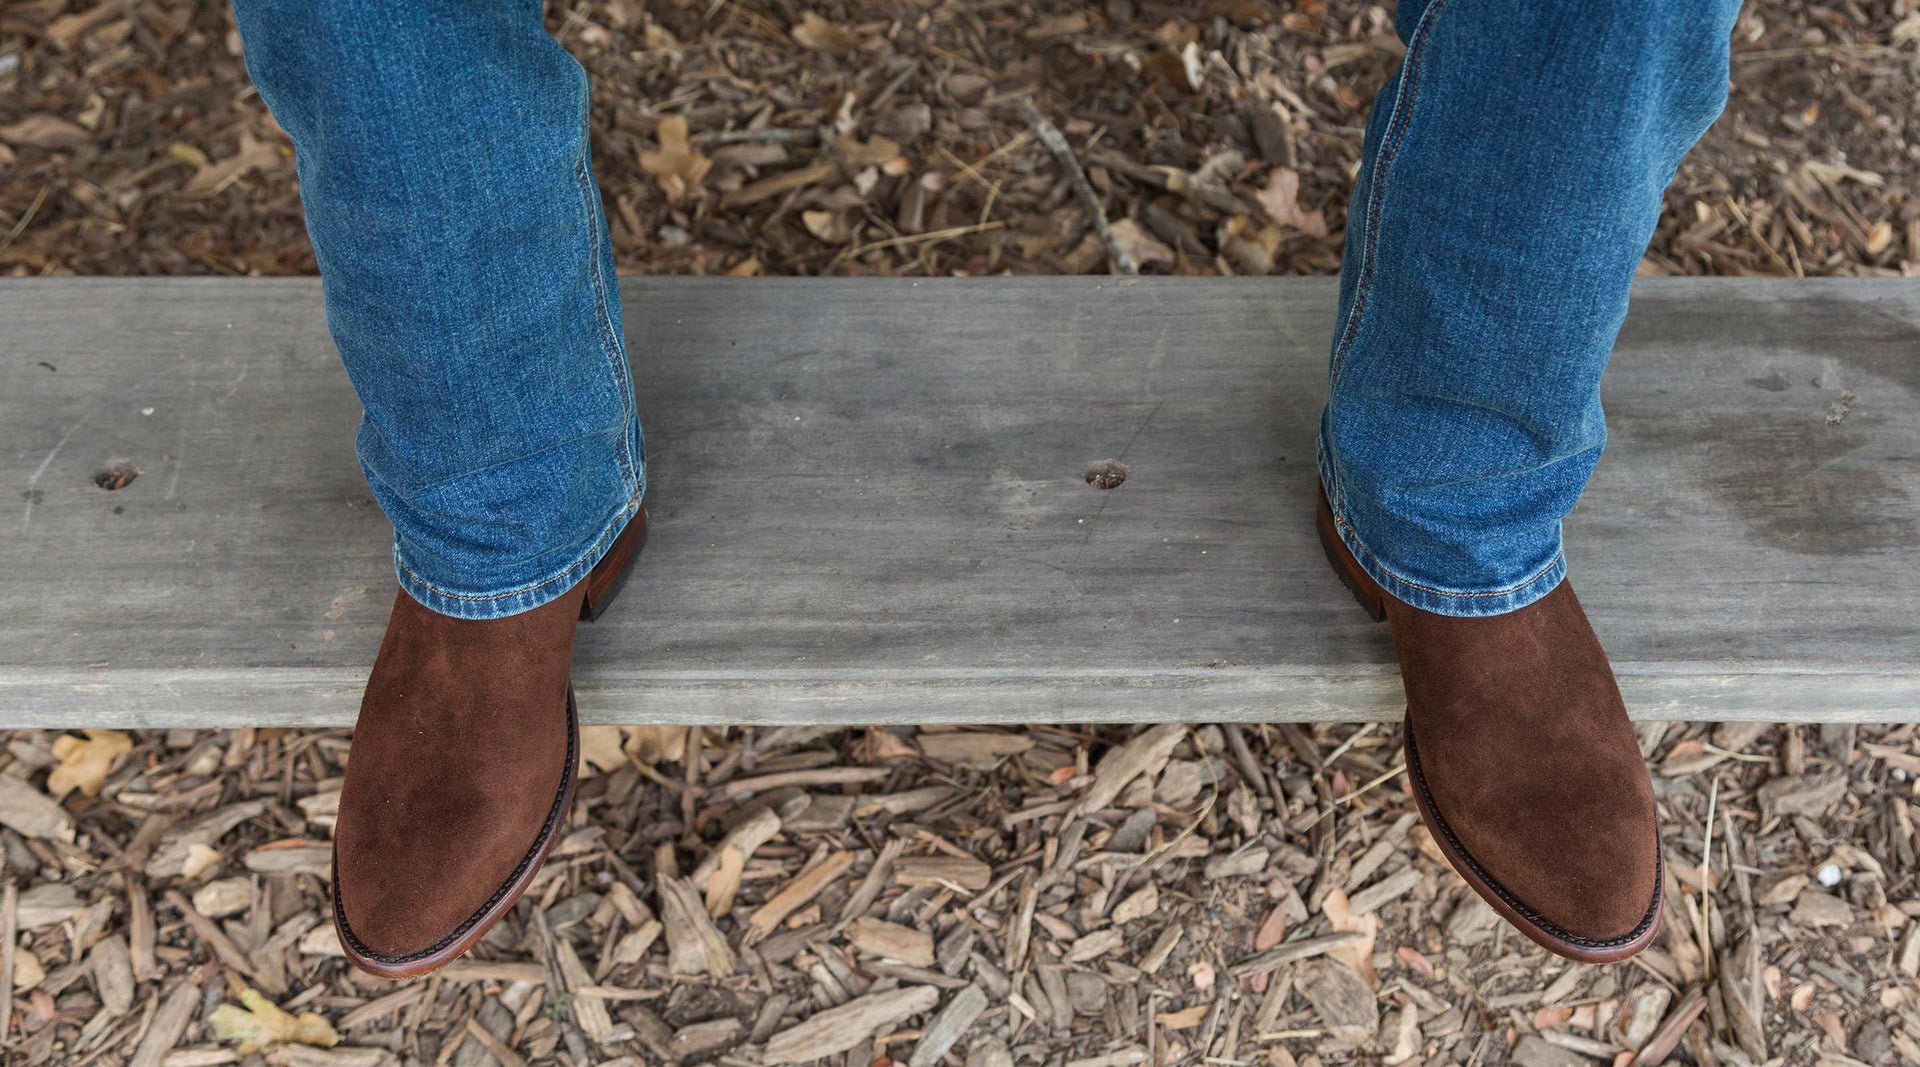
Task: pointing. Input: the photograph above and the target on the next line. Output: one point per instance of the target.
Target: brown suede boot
(461, 772)
(1524, 765)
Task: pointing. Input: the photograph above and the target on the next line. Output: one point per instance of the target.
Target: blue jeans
(446, 180)
(1511, 179)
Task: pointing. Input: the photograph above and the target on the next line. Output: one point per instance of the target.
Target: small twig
(1706, 876)
(1753, 231)
(1397, 770)
(209, 934)
(1341, 749)
(1327, 812)
(9, 934)
(1056, 143)
(921, 238)
(1859, 51)
(1479, 1048)
(743, 787)
(972, 172)
(1744, 757)
(1248, 766)
(1173, 180)
(1305, 948)
(771, 135)
(501, 1054)
(38, 199)
(899, 81)
(690, 796)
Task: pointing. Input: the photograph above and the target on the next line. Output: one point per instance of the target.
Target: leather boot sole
(603, 582)
(1542, 931)
(609, 576)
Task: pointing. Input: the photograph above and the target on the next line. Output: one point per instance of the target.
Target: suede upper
(1525, 764)
(1528, 757)
(459, 755)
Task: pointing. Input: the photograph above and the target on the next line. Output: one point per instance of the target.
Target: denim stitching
(509, 461)
(609, 348)
(610, 345)
(580, 561)
(1397, 123)
(1342, 523)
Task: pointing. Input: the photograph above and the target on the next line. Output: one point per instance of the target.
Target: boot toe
(409, 886)
(1579, 861)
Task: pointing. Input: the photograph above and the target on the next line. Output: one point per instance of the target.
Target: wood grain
(869, 505)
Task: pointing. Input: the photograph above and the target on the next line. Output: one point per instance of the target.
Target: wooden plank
(869, 506)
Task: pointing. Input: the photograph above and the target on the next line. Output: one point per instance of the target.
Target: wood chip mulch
(939, 137)
(1174, 896)
(1105, 897)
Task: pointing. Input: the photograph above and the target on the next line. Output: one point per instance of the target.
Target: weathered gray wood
(869, 505)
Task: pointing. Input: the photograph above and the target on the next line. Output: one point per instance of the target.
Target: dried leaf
(258, 1022)
(833, 227)
(1359, 955)
(1185, 1018)
(675, 165)
(254, 154)
(818, 34)
(1135, 241)
(1280, 199)
(84, 764)
(27, 971)
(657, 744)
(602, 748)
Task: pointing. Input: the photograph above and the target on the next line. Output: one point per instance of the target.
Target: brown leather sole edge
(1541, 930)
(1363, 588)
(609, 576)
(475, 926)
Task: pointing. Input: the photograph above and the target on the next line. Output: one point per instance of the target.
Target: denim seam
(609, 344)
(582, 175)
(608, 534)
(1397, 123)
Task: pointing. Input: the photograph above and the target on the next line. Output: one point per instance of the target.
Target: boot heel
(1345, 567)
(609, 575)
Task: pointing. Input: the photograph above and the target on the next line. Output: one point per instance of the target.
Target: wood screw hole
(1107, 475)
(118, 476)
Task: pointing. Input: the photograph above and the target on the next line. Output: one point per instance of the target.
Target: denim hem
(524, 596)
(1460, 603)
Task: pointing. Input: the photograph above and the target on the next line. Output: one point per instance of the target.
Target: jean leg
(1512, 176)
(446, 179)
